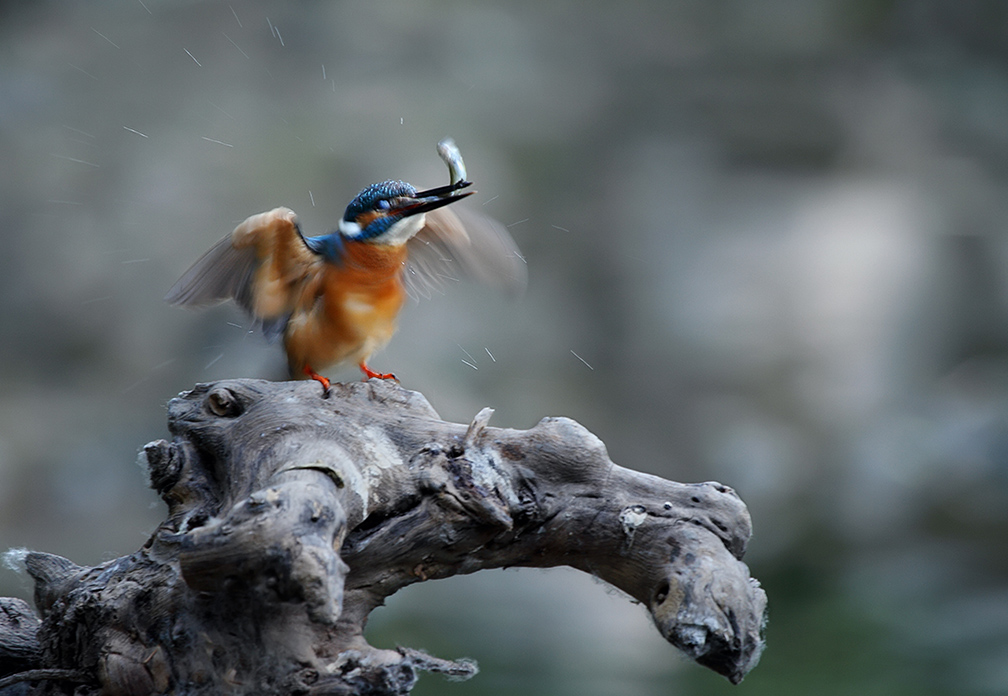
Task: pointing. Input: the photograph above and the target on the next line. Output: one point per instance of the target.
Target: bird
(335, 298)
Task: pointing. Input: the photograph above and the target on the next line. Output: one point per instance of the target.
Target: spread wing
(263, 265)
(455, 245)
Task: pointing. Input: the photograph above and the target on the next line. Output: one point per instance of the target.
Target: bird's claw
(371, 374)
(324, 381)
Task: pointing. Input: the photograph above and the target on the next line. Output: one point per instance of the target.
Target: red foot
(369, 373)
(318, 378)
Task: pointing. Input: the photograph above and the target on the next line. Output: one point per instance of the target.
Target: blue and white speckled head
(376, 209)
(371, 197)
(390, 212)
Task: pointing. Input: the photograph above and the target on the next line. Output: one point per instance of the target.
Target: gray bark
(292, 516)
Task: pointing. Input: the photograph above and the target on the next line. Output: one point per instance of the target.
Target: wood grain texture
(291, 517)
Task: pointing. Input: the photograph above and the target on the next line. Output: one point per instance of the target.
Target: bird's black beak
(431, 199)
(445, 190)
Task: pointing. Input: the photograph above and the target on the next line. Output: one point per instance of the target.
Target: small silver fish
(448, 151)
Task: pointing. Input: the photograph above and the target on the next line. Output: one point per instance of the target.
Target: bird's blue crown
(370, 198)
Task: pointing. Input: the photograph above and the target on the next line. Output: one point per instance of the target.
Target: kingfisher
(335, 298)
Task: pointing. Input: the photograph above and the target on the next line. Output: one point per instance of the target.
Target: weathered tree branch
(291, 517)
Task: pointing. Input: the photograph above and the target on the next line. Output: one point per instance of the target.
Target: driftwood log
(292, 516)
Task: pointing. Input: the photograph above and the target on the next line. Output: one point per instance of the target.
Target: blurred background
(766, 245)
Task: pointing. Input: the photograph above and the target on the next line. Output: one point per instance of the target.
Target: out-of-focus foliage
(766, 245)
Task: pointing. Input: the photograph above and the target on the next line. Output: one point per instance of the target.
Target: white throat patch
(402, 231)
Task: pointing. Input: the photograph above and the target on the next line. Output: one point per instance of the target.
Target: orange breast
(350, 311)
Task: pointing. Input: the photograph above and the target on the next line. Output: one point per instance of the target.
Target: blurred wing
(220, 274)
(452, 246)
(263, 265)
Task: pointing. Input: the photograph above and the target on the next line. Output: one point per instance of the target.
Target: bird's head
(390, 212)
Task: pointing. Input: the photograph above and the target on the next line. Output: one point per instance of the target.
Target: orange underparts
(324, 381)
(369, 373)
